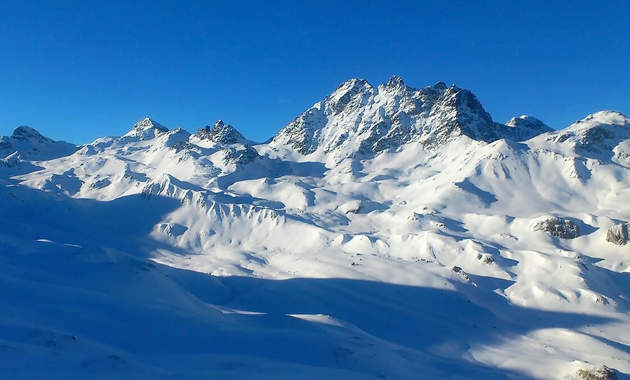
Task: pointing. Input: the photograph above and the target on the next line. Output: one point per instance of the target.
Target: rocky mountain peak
(220, 133)
(148, 123)
(454, 112)
(146, 128)
(357, 117)
(395, 81)
(351, 93)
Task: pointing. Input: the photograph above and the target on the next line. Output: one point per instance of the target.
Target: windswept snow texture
(385, 233)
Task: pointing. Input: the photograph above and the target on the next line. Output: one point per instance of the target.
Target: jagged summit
(148, 123)
(357, 117)
(395, 81)
(351, 93)
(146, 128)
(220, 133)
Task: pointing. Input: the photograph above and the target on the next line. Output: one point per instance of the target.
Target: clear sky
(77, 70)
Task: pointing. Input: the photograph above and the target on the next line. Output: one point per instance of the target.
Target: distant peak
(220, 133)
(148, 123)
(608, 117)
(146, 128)
(32, 145)
(359, 118)
(218, 125)
(395, 81)
(524, 120)
(525, 127)
(352, 85)
(354, 81)
(440, 86)
(351, 92)
(26, 133)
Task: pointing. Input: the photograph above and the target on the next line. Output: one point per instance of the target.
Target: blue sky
(84, 69)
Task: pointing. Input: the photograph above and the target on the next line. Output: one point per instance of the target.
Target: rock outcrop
(558, 227)
(618, 234)
(240, 156)
(600, 373)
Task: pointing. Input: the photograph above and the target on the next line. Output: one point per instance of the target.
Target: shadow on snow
(103, 288)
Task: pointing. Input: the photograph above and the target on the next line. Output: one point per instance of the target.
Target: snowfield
(387, 232)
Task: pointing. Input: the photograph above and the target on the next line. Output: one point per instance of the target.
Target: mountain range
(385, 232)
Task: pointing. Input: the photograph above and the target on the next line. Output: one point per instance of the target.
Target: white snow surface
(162, 254)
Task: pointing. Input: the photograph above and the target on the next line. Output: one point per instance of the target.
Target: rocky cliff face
(618, 234)
(598, 373)
(558, 227)
(358, 117)
(220, 133)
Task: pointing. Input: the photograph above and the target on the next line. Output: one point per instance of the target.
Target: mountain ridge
(393, 114)
(450, 112)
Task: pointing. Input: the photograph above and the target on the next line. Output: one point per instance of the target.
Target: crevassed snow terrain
(387, 232)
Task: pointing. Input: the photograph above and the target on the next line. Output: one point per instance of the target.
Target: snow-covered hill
(386, 232)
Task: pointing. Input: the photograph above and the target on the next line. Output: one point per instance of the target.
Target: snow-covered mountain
(29, 144)
(358, 117)
(386, 232)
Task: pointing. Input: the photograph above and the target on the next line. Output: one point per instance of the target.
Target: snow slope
(387, 232)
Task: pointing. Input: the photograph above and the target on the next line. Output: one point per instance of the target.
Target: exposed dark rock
(240, 156)
(358, 117)
(601, 373)
(185, 146)
(558, 227)
(99, 184)
(10, 161)
(461, 272)
(220, 133)
(618, 234)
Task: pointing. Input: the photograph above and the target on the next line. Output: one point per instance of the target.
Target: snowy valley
(387, 232)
